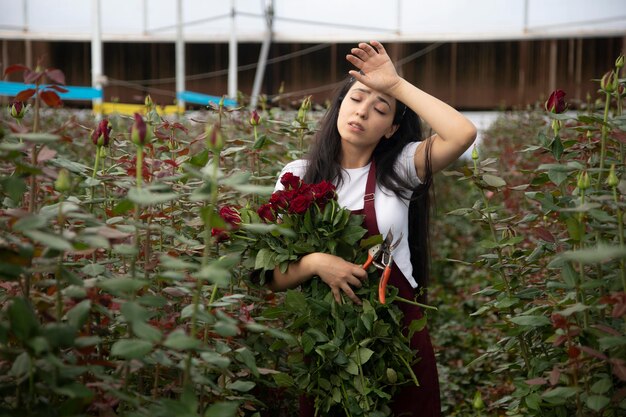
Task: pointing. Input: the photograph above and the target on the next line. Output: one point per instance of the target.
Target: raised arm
(454, 133)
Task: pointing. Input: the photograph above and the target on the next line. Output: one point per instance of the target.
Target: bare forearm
(296, 274)
(447, 122)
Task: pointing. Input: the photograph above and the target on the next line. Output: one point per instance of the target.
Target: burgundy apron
(409, 401)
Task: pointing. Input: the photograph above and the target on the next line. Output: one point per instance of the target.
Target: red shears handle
(382, 284)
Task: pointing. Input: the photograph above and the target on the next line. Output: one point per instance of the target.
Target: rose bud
(304, 108)
(475, 153)
(612, 179)
(63, 182)
(17, 110)
(139, 133)
(583, 180)
(148, 102)
(556, 102)
(608, 83)
(255, 119)
(619, 62)
(101, 135)
(214, 137)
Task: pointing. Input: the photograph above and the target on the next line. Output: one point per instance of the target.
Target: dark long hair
(324, 159)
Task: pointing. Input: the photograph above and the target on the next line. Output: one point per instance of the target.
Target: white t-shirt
(391, 211)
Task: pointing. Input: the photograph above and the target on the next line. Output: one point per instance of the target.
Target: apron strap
(368, 201)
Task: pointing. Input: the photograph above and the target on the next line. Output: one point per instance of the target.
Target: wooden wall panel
(468, 75)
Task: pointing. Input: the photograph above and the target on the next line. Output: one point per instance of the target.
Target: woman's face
(365, 116)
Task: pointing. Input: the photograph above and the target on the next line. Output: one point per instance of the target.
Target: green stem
(580, 293)
(605, 131)
(492, 227)
(204, 263)
(33, 178)
(93, 175)
(620, 231)
(413, 377)
(59, 269)
(139, 166)
(415, 303)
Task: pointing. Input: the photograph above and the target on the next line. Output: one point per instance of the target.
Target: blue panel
(205, 99)
(8, 88)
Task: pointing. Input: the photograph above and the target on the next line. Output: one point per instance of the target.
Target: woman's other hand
(340, 275)
(377, 69)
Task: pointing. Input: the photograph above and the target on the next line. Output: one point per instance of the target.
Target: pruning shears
(380, 256)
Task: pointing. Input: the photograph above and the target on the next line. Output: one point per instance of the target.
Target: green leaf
(283, 380)
(200, 159)
(222, 409)
(146, 331)
(494, 181)
(417, 326)
(597, 254)
(29, 222)
(609, 342)
(262, 190)
(531, 321)
(133, 312)
(21, 365)
(49, 240)
(245, 356)
(557, 176)
(601, 386)
(352, 234)
(145, 197)
(559, 395)
(122, 285)
(597, 402)
(77, 316)
(226, 329)
(24, 324)
(93, 270)
(575, 308)
(216, 359)
(131, 348)
(38, 137)
(124, 206)
(241, 386)
(14, 187)
(557, 148)
(361, 355)
(74, 390)
(179, 340)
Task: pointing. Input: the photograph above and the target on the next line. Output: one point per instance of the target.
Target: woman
(369, 145)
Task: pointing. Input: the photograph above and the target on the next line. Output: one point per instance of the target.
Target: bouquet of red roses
(302, 218)
(349, 358)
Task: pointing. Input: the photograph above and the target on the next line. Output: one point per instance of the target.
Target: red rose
(324, 191)
(220, 234)
(290, 181)
(101, 135)
(301, 203)
(556, 102)
(230, 215)
(279, 200)
(266, 213)
(558, 321)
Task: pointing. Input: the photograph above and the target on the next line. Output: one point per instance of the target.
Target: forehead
(362, 88)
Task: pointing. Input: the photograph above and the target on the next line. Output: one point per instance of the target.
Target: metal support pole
(265, 49)
(144, 15)
(232, 54)
(180, 56)
(526, 6)
(28, 44)
(96, 54)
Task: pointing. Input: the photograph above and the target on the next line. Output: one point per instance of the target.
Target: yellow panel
(130, 109)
